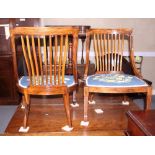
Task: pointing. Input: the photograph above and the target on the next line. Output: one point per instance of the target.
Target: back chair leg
(91, 97)
(124, 98)
(74, 102)
(148, 99)
(86, 94)
(74, 97)
(125, 101)
(67, 108)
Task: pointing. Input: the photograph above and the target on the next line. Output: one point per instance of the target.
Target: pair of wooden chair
(45, 52)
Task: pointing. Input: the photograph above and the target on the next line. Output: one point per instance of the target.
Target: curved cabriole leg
(148, 98)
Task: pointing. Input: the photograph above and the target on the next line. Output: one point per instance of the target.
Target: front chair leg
(148, 98)
(26, 109)
(25, 116)
(67, 108)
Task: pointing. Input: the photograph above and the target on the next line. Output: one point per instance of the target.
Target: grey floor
(140, 102)
(6, 112)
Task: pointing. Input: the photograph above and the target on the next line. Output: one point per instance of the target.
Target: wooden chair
(45, 52)
(109, 45)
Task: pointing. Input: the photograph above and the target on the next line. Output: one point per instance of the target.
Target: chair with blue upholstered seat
(45, 51)
(109, 46)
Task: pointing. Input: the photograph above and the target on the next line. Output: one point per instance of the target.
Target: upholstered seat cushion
(114, 80)
(24, 81)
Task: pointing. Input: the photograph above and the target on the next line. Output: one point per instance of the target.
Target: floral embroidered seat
(114, 80)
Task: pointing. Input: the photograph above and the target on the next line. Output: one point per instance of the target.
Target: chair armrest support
(148, 82)
(135, 70)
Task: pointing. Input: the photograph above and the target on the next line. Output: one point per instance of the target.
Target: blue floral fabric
(24, 81)
(114, 80)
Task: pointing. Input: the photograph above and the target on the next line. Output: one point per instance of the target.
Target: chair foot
(74, 104)
(80, 81)
(125, 102)
(99, 111)
(22, 107)
(84, 123)
(67, 128)
(22, 129)
(92, 102)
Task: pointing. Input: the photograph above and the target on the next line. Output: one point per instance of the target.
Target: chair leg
(74, 97)
(74, 103)
(67, 108)
(125, 102)
(124, 97)
(26, 100)
(23, 102)
(148, 99)
(86, 94)
(91, 101)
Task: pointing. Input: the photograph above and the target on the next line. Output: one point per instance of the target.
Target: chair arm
(133, 65)
(148, 82)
